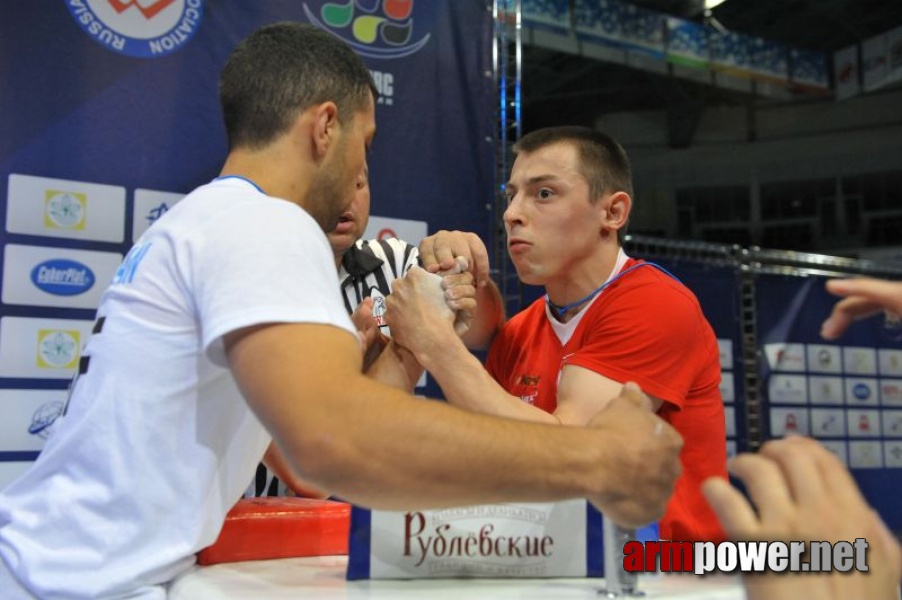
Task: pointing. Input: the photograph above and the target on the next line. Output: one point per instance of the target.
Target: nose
(513, 215)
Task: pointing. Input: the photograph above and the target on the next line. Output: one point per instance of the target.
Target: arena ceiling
(562, 87)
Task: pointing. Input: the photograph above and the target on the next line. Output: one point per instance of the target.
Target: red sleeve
(649, 329)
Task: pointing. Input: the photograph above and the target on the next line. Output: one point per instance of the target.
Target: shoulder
(221, 206)
(647, 284)
(648, 301)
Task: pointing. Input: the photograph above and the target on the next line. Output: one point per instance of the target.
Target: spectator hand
(802, 492)
(863, 297)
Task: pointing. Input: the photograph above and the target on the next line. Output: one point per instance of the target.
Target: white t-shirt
(157, 443)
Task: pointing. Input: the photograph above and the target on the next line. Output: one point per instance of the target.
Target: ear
(616, 211)
(325, 127)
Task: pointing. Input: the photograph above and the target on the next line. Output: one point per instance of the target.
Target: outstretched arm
(413, 313)
(380, 447)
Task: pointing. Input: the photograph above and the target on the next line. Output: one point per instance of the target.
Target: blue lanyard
(559, 311)
(242, 178)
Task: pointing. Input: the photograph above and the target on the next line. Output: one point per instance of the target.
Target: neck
(279, 173)
(581, 282)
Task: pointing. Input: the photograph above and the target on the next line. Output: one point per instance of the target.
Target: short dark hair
(603, 162)
(282, 69)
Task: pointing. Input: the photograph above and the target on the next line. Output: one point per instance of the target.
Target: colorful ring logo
(374, 28)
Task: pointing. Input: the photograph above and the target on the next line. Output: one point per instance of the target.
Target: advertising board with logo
(842, 393)
(130, 122)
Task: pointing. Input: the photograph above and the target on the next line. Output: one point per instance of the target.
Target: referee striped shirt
(367, 270)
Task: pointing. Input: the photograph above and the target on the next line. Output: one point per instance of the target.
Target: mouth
(517, 245)
(345, 223)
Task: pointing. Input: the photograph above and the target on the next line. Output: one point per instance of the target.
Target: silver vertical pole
(618, 582)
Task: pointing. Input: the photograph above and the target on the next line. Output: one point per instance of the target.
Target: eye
(545, 193)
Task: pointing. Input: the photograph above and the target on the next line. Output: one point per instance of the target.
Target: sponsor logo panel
(824, 359)
(788, 389)
(891, 392)
(785, 357)
(826, 390)
(863, 423)
(893, 454)
(861, 391)
(61, 277)
(62, 208)
(403, 544)
(828, 422)
(865, 455)
(788, 420)
(860, 361)
(41, 348)
(892, 423)
(150, 205)
(890, 362)
(28, 416)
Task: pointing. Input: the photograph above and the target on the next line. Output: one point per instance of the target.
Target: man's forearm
(276, 462)
(380, 447)
(466, 384)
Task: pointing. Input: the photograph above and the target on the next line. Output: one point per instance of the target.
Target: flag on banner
(845, 73)
(894, 54)
(874, 62)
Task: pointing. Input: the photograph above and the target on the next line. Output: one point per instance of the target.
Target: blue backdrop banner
(110, 114)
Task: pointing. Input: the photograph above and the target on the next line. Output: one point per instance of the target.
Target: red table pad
(280, 527)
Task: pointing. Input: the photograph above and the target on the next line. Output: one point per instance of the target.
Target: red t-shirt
(648, 328)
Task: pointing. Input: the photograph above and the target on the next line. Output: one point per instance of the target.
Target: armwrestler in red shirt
(606, 319)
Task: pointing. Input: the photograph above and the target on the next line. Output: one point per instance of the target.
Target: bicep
(582, 393)
(287, 372)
